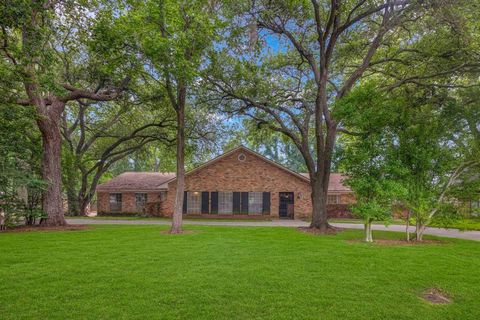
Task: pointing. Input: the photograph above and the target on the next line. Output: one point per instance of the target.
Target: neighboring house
(238, 183)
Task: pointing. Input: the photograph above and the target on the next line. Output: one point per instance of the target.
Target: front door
(286, 205)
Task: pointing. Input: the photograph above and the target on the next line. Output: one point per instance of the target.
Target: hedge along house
(239, 183)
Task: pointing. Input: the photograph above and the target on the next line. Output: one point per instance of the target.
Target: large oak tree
(48, 62)
(288, 64)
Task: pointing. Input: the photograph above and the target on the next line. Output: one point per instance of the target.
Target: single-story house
(238, 183)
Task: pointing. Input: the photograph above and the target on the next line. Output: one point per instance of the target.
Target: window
(242, 157)
(255, 202)
(332, 199)
(225, 202)
(140, 201)
(115, 202)
(163, 195)
(194, 202)
(476, 204)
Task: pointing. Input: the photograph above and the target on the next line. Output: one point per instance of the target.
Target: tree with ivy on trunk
(35, 36)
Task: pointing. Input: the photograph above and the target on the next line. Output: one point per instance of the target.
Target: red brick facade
(128, 201)
(253, 174)
(240, 170)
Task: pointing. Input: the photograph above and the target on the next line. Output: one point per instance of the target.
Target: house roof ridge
(239, 147)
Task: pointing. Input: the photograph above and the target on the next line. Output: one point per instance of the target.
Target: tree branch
(101, 95)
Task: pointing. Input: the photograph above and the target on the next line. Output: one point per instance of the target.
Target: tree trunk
(72, 196)
(178, 209)
(72, 201)
(420, 228)
(69, 182)
(83, 203)
(49, 124)
(407, 226)
(368, 231)
(319, 206)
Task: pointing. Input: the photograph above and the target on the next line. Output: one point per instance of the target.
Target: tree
(308, 57)
(45, 51)
(20, 185)
(173, 38)
(96, 136)
(408, 147)
(368, 158)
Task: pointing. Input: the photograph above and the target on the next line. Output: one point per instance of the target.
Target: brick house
(132, 192)
(239, 183)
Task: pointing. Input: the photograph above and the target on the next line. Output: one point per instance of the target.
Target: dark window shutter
(214, 202)
(244, 204)
(236, 202)
(205, 202)
(184, 209)
(266, 203)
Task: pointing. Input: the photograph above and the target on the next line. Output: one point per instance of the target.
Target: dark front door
(286, 205)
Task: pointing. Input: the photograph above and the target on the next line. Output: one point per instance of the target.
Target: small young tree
(20, 157)
(370, 211)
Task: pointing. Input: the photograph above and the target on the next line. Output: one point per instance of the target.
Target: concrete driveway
(449, 233)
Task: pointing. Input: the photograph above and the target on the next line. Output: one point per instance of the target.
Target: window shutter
(214, 202)
(266, 203)
(205, 202)
(184, 209)
(244, 203)
(236, 202)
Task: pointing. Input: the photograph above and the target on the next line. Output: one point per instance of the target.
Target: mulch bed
(330, 231)
(397, 242)
(436, 296)
(45, 229)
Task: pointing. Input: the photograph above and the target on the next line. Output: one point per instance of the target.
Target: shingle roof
(138, 181)
(335, 183)
(243, 148)
(153, 181)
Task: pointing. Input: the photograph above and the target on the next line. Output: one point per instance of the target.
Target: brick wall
(342, 209)
(252, 174)
(128, 201)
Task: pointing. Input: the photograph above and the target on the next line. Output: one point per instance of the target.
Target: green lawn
(135, 272)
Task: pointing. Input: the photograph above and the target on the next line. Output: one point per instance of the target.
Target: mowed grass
(135, 272)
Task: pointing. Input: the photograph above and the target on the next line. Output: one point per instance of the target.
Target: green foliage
(371, 210)
(20, 154)
(20, 198)
(410, 145)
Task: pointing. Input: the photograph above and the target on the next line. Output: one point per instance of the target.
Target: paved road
(449, 233)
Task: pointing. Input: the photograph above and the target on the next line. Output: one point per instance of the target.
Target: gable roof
(155, 181)
(137, 181)
(335, 183)
(245, 149)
